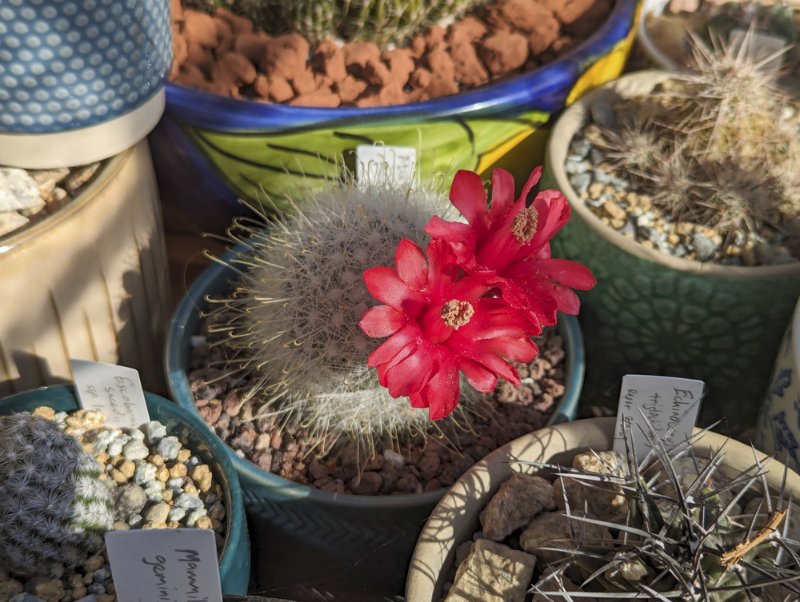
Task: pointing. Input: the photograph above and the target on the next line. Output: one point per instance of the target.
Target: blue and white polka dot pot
(80, 80)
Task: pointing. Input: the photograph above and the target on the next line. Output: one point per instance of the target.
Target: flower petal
(533, 180)
(412, 265)
(469, 196)
(442, 392)
(385, 285)
(495, 364)
(382, 321)
(553, 213)
(565, 272)
(449, 231)
(403, 338)
(409, 375)
(502, 194)
(478, 376)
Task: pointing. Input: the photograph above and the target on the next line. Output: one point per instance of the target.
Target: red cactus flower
(439, 323)
(512, 240)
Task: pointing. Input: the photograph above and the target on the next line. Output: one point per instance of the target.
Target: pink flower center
(525, 225)
(457, 313)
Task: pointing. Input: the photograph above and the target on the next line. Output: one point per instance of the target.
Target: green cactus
(380, 21)
(54, 508)
(292, 321)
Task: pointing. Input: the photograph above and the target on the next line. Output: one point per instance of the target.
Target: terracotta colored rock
(418, 47)
(440, 63)
(377, 73)
(401, 63)
(503, 52)
(252, 45)
(176, 10)
(393, 94)
(224, 35)
(323, 81)
(588, 20)
(434, 37)
(468, 67)
(542, 38)
(496, 19)
(303, 82)
(199, 28)
(241, 67)
(361, 54)
(238, 25)
(441, 86)
(180, 51)
(370, 99)
(321, 98)
(350, 88)
(285, 55)
(420, 78)
(569, 11)
(330, 60)
(199, 56)
(279, 89)
(190, 76)
(223, 81)
(468, 30)
(261, 86)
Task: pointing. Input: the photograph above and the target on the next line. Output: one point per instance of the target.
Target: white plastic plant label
(669, 404)
(164, 565)
(114, 391)
(377, 164)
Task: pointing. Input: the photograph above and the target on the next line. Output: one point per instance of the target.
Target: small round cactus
(54, 508)
(292, 322)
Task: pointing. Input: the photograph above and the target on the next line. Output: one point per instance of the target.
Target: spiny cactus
(719, 147)
(292, 320)
(54, 508)
(379, 21)
(694, 529)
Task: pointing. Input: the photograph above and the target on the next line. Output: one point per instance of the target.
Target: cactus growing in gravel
(54, 508)
(719, 147)
(292, 321)
(692, 529)
(379, 21)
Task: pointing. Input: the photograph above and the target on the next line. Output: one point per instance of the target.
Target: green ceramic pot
(653, 313)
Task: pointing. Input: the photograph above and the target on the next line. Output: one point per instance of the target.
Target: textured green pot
(653, 313)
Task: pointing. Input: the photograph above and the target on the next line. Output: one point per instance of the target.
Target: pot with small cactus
(269, 97)
(685, 196)
(66, 479)
(337, 443)
(557, 515)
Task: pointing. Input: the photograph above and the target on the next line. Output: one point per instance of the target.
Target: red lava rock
(376, 73)
(224, 35)
(263, 460)
(330, 60)
(317, 469)
(503, 52)
(277, 440)
(245, 440)
(318, 98)
(561, 45)
(223, 79)
(285, 55)
(199, 56)
(468, 30)
(211, 413)
(232, 402)
(262, 442)
(468, 67)
(432, 485)
(361, 54)
(350, 89)
(242, 69)
(587, 22)
(496, 19)
(430, 466)
(199, 28)
(569, 11)
(440, 63)
(180, 52)
(279, 89)
(441, 86)
(393, 94)
(303, 82)
(418, 47)
(369, 483)
(408, 483)
(191, 77)
(401, 64)
(176, 10)
(238, 25)
(420, 78)
(434, 37)
(335, 486)
(252, 45)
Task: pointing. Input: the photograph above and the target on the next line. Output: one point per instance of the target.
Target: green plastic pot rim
(178, 384)
(556, 152)
(109, 168)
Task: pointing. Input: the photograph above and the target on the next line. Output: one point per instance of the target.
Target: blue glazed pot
(355, 541)
(234, 562)
(210, 150)
(80, 80)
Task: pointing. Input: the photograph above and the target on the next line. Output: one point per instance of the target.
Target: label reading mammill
(114, 391)
(669, 404)
(164, 565)
(376, 164)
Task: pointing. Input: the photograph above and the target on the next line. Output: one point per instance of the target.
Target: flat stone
(704, 247)
(18, 190)
(157, 513)
(516, 502)
(492, 573)
(549, 536)
(10, 221)
(605, 501)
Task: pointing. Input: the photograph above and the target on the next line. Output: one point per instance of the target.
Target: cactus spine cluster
(379, 21)
(292, 321)
(54, 508)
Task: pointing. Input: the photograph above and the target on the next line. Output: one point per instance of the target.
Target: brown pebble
(369, 483)
(466, 31)
(401, 64)
(277, 440)
(199, 28)
(303, 83)
(375, 72)
(180, 52)
(155, 460)
(244, 72)
(503, 52)
(468, 67)
(178, 471)
(361, 54)
(224, 36)
(239, 25)
(251, 45)
(421, 78)
(350, 88)
(261, 86)
(285, 55)
(176, 11)
(434, 37)
(417, 47)
(330, 60)
(441, 86)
